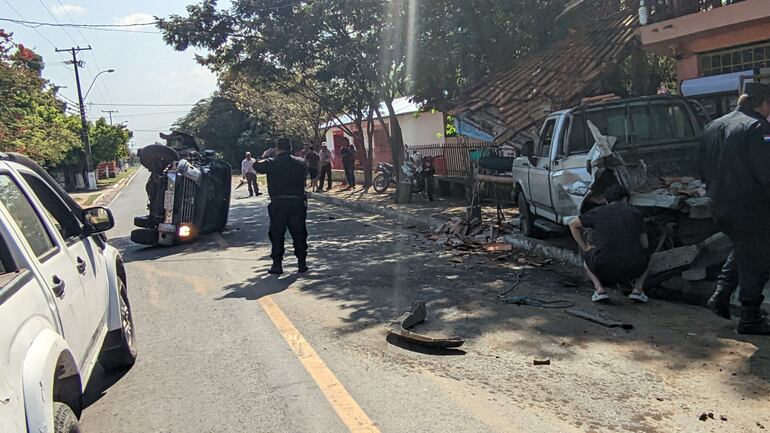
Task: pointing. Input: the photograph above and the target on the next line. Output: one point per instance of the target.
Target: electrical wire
(33, 28)
(148, 114)
(143, 105)
(74, 25)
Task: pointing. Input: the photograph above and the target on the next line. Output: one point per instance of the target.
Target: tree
(108, 142)
(32, 120)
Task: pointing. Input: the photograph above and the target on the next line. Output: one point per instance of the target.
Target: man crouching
(614, 251)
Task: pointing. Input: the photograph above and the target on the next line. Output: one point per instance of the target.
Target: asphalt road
(223, 347)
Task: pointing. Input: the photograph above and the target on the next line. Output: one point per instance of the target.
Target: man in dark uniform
(735, 156)
(288, 205)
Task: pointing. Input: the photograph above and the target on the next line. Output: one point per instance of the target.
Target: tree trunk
(369, 162)
(397, 148)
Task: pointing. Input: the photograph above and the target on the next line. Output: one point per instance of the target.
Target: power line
(22, 17)
(57, 21)
(149, 114)
(74, 25)
(99, 85)
(143, 105)
(36, 24)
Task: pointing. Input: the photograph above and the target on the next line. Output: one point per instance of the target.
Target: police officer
(735, 156)
(288, 205)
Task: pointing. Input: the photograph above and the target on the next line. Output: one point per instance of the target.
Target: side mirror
(528, 148)
(97, 220)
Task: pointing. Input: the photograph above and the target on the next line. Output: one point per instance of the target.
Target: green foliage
(108, 142)
(32, 120)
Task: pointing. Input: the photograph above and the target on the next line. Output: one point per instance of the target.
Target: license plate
(168, 200)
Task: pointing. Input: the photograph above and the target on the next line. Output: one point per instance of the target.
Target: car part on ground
(599, 319)
(417, 314)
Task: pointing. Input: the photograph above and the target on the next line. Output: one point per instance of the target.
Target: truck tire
(64, 419)
(123, 353)
(527, 219)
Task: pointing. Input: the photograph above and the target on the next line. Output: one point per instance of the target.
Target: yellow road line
(347, 409)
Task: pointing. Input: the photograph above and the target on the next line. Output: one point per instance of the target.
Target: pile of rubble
(463, 241)
(684, 193)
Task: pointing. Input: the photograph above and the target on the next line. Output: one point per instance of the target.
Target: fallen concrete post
(417, 314)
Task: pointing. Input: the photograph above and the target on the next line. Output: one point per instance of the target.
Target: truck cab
(655, 137)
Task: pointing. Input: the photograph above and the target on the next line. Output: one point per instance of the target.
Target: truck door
(54, 264)
(539, 172)
(85, 252)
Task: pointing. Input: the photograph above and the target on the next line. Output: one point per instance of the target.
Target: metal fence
(452, 159)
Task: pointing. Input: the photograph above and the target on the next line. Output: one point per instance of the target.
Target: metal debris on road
(598, 319)
(498, 246)
(540, 303)
(417, 314)
(541, 361)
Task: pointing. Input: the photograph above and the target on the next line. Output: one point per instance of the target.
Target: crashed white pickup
(649, 145)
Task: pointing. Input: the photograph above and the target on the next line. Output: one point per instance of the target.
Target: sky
(147, 71)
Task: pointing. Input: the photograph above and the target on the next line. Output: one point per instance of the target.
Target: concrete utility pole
(110, 113)
(91, 181)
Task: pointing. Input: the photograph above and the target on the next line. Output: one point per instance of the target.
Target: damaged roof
(513, 101)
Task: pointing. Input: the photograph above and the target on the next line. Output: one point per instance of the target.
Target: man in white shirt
(249, 175)
(326, 167)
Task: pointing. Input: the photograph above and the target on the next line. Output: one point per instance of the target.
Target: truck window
(546, 139)
(617, 125)
(7, 264)
(58, 212)
(670, 121)
(579, 142)
(25, 217)
(641, 123)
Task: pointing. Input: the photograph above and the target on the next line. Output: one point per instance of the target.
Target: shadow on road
(101, 380)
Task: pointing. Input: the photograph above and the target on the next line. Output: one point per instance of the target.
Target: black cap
(757, 90)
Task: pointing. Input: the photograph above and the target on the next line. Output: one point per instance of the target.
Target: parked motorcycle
(387, 176)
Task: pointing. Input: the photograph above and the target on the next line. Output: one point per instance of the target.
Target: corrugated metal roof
(513, 101)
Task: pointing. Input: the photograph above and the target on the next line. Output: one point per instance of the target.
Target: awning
(725, 83)
(468, 129)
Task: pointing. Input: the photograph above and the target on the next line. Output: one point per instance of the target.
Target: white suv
(63, 301)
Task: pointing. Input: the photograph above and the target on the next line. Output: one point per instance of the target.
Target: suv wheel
(124, 354)
(64, 419)
(527, 219)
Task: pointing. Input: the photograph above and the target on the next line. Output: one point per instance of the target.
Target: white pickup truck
(63, 301)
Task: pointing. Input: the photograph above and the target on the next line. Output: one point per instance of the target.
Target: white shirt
(247, 166)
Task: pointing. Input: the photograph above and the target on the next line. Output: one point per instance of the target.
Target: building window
(751, 57)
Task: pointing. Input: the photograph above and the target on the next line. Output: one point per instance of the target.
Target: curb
(529, 245)
(521, 242)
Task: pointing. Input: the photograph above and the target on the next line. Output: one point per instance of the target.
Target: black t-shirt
(614, 232)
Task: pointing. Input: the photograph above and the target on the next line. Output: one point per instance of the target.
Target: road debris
(497, 247)
(417, 314)
(723, 417)
(546, 361)
(703, 417)
(598, 319)
(540, 303)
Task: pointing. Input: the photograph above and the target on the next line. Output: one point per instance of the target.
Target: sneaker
(638, 297)
(276, 269)
(600, 297)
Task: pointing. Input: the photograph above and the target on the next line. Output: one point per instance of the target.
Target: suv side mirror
(528, 148)
(97, 220)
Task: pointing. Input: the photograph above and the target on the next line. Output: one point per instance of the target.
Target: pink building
(717, 44)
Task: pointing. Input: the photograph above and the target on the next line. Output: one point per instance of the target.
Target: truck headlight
(184, 231)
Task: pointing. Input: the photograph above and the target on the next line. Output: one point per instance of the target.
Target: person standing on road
(348, 154)
(326, 157)
(313, 162)
(735, 156)
(249, 175)
(615, 251)
(288, 204)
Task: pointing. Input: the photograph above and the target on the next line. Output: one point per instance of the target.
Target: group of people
(735, 156)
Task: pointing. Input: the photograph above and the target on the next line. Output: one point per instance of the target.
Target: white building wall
(417, 129)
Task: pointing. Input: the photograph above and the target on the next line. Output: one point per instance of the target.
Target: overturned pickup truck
(650, 146)
(188, 192)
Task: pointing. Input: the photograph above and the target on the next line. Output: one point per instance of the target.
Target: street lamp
(108, 71)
